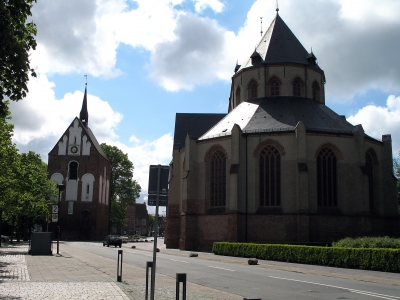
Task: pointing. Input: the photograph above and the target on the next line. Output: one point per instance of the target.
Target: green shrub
(387, 260)
(368, 242)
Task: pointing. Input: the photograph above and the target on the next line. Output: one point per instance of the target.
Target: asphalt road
(244, 280)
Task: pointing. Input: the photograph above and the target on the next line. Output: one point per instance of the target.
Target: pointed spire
(84, 115)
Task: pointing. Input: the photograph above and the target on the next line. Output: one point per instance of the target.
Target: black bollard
(119, 266)
(181, 277)
(149, 265)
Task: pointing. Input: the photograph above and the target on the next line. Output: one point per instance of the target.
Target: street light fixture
(60, 187)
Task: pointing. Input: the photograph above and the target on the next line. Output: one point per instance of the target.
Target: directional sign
(162, 184)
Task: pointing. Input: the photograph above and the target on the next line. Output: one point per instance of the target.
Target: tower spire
(84, 115)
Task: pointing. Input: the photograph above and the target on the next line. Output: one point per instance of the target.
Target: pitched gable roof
(194, 124)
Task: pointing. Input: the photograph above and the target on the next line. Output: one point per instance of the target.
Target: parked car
(125, 239)
(112, 240)
(5, 238)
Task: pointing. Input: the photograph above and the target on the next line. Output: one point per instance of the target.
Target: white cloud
(194, 57)
(41, 119)
(378, 120)
(216, 5)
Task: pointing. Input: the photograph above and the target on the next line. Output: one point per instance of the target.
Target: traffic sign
(54, 217)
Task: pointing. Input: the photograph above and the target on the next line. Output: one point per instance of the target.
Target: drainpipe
(246, 195)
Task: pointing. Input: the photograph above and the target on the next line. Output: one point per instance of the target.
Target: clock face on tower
(74, 149)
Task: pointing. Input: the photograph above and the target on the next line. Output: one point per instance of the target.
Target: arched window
(269, 161)
(253, 90)
(369, 163)
(237, 96)
(73, 170)
(327, 177)
(274, 86)
(218, 179)
(315, 91)
(297, 87)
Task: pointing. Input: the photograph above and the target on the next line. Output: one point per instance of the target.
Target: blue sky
(149, 59)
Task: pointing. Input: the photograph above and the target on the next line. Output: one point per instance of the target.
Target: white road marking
(179, 260)
(382, 296)
(222, 268)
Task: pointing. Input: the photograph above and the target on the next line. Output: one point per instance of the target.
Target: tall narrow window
(315, 91)
(297, 88)
(274, 87)
(270, 176)
(218, 179)
(73, 170)
(237, 96)
(327, 177)
(369, 161)
(253, 90)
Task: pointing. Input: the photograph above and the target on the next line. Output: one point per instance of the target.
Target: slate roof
(195, 124)
(280, 114)
(280, 45)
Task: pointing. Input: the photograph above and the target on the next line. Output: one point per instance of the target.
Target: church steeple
(84, 115)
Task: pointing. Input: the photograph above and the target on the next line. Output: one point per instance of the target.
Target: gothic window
(270, 176)
(297, 87)
(218, 179)
(369, 162)
(73, 171)
(315, 91)
(327, 177)
(253, 90)
(274, 86)
(237, 96)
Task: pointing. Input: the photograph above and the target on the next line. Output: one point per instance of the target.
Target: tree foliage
(123, 189)
(25, 189)
(16, 40)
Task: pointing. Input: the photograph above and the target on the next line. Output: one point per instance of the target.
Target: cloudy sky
(148, 59)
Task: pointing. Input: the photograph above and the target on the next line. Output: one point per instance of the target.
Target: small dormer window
(274, 87)
(253, 90)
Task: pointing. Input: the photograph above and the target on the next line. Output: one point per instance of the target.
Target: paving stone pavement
(51, 277)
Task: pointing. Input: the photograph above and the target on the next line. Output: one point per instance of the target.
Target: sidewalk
(51, 277)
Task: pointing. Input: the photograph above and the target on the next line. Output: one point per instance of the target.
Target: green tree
(8, 159)
(123, 189)
(16, 40)
(31, 193)
(152, 220)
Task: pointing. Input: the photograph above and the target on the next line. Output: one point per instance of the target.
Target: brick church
(78, 162)
(280, 166)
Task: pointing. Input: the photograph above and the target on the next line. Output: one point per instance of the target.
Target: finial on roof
(86, 80)
(277, 6)
(261, 25)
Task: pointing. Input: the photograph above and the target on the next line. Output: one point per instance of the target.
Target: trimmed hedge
(387, 260)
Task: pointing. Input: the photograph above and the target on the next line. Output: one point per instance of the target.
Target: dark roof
(279, 114)
(84, 115)
(193, 124)
(280, 45)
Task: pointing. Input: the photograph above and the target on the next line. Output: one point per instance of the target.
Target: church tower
(78, 162)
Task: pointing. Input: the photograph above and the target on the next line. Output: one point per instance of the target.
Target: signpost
(158, 189)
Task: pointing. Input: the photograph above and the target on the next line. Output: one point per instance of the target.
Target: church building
(78, 162)
(280, 166)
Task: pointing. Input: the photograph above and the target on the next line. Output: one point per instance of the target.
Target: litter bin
(40, 243)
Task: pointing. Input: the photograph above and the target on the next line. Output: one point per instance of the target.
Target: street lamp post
(60, 187)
